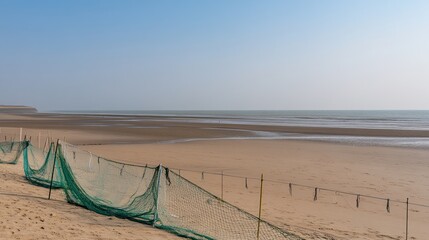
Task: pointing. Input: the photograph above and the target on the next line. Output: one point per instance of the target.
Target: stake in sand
(406, 222)
(53, 170)
(260, 207)
(221, 187)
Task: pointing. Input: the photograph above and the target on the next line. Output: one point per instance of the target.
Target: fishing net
(188, 210)
(10, 152)
(152, 195)
(38, 166)
(108, 187)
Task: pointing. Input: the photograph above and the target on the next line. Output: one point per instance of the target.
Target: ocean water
(403, 120)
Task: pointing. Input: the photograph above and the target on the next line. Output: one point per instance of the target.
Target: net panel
(152, 195)
(38, 166)
(10, 152)
(108, 187)
(188, 210)
(157, 196)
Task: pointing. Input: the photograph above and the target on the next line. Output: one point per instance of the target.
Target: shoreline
(143, 129)
(38, 120)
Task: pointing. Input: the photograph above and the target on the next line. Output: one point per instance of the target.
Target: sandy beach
(386, 172)
(203, 120)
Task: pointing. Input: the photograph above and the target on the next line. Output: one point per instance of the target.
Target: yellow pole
(406, 227)
(221, 187)
(260, 207)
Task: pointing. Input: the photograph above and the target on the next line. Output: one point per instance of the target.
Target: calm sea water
(406, 120)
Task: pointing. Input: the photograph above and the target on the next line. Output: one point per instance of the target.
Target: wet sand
(395, 173)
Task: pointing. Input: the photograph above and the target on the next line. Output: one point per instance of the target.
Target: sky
(215, 55)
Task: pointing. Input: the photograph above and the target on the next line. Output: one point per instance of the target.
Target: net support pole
(406, 222)
(46, 143)
(155, 215)
(260, 207)
(221, 186)
(20, 134)
(53, 170)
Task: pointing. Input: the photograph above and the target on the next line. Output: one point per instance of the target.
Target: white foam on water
(409, 142)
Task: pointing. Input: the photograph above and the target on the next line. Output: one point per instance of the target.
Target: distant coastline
(17, 109)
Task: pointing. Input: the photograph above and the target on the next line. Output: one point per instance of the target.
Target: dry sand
(25, 213)
(378, 171)
(396, 173)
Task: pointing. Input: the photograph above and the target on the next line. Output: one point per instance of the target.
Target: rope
(289, 183)
(307, 186)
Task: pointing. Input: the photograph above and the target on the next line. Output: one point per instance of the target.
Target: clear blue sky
(166, 55)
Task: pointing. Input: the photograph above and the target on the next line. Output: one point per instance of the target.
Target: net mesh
(153, 195)
(188, 210)
(10, 152)
(38, 166)
(108, 187)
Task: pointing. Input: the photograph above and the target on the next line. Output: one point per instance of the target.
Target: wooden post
(260, 206)
(46, 143)
(406, 222)
(53, 170)
(20, 134)
(155, 215)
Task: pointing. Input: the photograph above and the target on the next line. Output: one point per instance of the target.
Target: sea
(362, 119)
